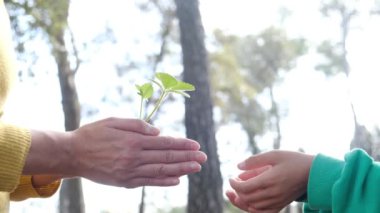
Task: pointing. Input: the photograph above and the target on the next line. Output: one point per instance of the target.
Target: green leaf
(145, 90)
(183, 86)
(138, 87)
(181, 93)
(167, 80)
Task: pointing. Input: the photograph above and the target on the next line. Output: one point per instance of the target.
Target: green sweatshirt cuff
(324, 172)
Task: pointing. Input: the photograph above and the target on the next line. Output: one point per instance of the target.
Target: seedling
(167, 84)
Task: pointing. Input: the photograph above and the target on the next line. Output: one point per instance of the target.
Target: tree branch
(78, 61)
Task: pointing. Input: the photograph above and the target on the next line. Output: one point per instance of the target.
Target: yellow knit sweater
(14, 141)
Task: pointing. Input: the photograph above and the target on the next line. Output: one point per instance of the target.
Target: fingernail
(194, 145)
(174, 181)
(194, 166)
(151, 129)
(233, 180)
(242, 165)
(200, 156)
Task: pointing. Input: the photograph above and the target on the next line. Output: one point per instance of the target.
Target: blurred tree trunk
(205, 187)
(359, 131)
(337, 53)
(275, 113)
(142, 201)
(361, 134)
(71, 195)
(251, 140)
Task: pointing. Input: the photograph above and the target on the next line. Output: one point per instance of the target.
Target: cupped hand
(130, 153)
(270, 181)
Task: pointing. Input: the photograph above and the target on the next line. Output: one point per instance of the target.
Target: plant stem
(162, 97)
(141, 107)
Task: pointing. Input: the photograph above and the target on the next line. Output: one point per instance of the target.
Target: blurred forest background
(298, 75)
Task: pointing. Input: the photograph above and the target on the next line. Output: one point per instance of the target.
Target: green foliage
(265, 55)
(35, 18)
(334, 58)
(167, 84)
(50, 16)
(342, 7)
(243, 67)
(335, 52)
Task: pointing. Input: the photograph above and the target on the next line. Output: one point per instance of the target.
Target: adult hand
(118, 152)
(270, 181)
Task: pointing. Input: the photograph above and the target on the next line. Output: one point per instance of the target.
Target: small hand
(271, 181)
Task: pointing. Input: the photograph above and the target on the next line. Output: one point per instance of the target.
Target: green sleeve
(308, 209)
(348, 186)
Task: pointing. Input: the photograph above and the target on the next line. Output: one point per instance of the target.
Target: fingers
(172, 156)
(142, 181)
(169, 143)
(133, 125)
(265, 199)
(263, 206)
(258, 196)
(257, 161)
(232, 196)
(254, 172)
(151, 141)
(167, 170)
(250, 185)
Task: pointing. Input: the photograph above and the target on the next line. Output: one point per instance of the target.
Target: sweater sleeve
(14, 147)
(25, 189)
(347, 186)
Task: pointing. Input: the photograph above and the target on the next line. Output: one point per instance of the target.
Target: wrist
(308, 160)
(49, 153)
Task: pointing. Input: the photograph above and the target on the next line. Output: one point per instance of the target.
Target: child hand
(270, 181)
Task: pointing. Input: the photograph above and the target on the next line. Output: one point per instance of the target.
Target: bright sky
(319, 116)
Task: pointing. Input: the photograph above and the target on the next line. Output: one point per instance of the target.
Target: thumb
(253, 172)
(258, 161)
(133, 125)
